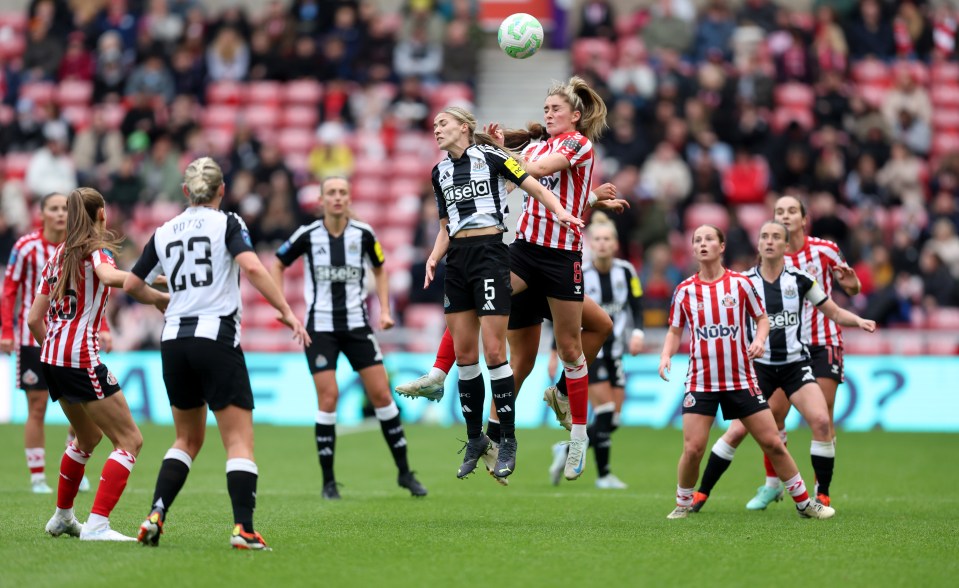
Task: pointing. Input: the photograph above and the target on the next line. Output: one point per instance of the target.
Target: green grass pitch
(897, 521)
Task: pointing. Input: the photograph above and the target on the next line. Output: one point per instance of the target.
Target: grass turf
(897, 520)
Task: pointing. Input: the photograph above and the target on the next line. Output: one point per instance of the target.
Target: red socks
(72, 465)
(577, 386)
(445, 355)
(113, 480)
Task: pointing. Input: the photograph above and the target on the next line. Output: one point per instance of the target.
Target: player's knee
(772, 445)
(37, 410)
(494, 354)
(131, 441)
(819, 425)
(694, 450)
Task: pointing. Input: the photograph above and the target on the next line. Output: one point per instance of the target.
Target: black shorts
(200, 371)
(827, 362)
(529, 308)
(790, 377)
(79, 385)
(358, 345)
(477, 276)
(556, 272)
(736, 404)
(608, 369)
(30, 369)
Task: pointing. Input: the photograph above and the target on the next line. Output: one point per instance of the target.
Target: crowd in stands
(713, 112)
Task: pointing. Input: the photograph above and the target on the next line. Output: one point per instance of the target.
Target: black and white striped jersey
(471, 190)
(334, 285)
(195, 251)
(618, 292)
(783, 300)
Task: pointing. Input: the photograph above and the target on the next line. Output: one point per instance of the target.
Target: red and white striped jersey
(716, 314)
(819, 258)
(27, 258)
(73, 322)
(536, 224)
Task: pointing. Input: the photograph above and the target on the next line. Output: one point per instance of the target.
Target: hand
(617, 205)
(163, 302)
(846, 276)
(106, 342)
(299, 333)
(386, 320)
(606, 191)
(552, 365)
(494, 130)
(161, 283)
(756, 349)
(568, 220)
(636, 344)
(430, 272)
(6, 345)
(867, 325)
(664, 364)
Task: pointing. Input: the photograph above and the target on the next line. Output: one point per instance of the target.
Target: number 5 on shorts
(489, 288)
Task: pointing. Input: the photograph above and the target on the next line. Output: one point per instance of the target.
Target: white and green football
(520, 36)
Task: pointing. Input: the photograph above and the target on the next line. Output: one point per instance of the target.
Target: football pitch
(897, 521)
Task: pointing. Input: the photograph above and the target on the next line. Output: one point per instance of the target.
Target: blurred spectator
(714, 31)
(77, 63)
(418, 56)
(752, 131)
(460, 54)
(97, 151)
(331, 156)
(911, 31)
(659, 277)
(13, 206)
(54, 13)
(862, 184)
(347, 31)
(747, 179)
(718, 95)
(337, 63)
(707, 145)
(140, 117)
(113, 65)
(762, 13)
(182, 121)
(25, 132)
(271, 161)
(831, 103)
(633, 78)
(830, 51)
(266, 62)
(126, 187)
(8, 236)
(233, 16)
(746, 43)
(792, 65)
(623, 145)
(707, 184)
(900, 176)
(944, 32)
(189, 76)
(753, 86)
(665, 177)
(906, 95)
(280, 218)
(228, 59)
(164, 26)
(245, 153)
(938, 284)
(152, 79)
(665, 30)
(870, 33)
(160, 172)
(904, 254)
(308, 16)
(41, 58)
(117, 17)
(51, 169)
(827, 223)
(377, 50)
(410, 108)
(597, 19)
(305, 59)
(912, 132)
(945, 244)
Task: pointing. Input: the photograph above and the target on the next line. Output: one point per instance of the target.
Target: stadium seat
(858, 343)
(871, 71)
(910, 344)
(795, 95)
(942, 345)
(945, 95)
(783, 116)
(410, 166)
(704, 213)
(372, 167)
(447, 94)
(74, 93)
(226, 93)
(39, 92)
(219, 139)
(872, 94)
(295, 140)
(945, 119)
(7, 114)
(945, 143)
(302, 92)
(409, 186)
(301, 117)
(946, 72)
(752, 216)
(220, 116)
(586, 52)
(262, 116)
(78, 115)
(368, 212)
(264, 92)
(368, 188)
(12, 46)
(919, 71)
(112, 115)
(943, 319)
(17, 20)
(15, 165)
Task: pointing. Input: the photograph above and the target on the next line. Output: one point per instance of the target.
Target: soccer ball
(520, 36)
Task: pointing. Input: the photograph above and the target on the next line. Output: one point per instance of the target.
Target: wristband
(638, 333)
(592, 199)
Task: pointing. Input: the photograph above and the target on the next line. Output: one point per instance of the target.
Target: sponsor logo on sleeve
(513, 166)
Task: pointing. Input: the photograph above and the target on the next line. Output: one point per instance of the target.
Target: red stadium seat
(295, 140)
(12, 46)
(39, 92)
(942, 345)
(795, 95)
(303, 92)
(400, 187)
(910, 344)
(945, 96)
(78, 115)
(871, 71)
(74, 92)
(7, 114)
(226, 93)
(303, 117)
(943, 319)
(447, 94)
(15, 165)
(707, 214)
(368, 212)
(368, 188)
(591, 51)
(859, 343)
(262, 116)
(112, 115)
(409, 166)
(946, 72)
(16, 20)
(220, 139)
(872, 94)
(945, 143)
(919, 71)
(297, 161)
(220, 116)
(751, 218)
(944, 119)
(784, 116)
(371, 166)
(265, 92)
